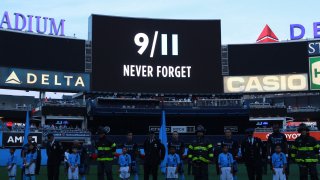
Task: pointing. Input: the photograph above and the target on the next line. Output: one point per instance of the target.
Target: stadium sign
(314, 70)
(266, 83)
(43, 80)
(26, 23)
(171, 129)
(294, 28)
(76, 134)
(15, 139)
(314, 48)
(291, 136)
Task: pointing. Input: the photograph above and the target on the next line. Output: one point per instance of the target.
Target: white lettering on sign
(19, 139)
(289, 136)
(314, 47)
(160, 71)
(45, 80)
(179, 129)
(268, 83)
(137, 71)
(142, 41)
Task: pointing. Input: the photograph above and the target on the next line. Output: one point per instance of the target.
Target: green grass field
(294, 173)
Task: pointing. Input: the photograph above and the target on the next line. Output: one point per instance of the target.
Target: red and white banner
(291, 136)
(298, 123)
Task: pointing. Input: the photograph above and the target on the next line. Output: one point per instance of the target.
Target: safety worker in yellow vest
(305, 152)
(200, 152)
(106, 151)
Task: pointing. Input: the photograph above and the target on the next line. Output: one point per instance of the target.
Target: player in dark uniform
(180, 149)
(274, 139)
(134, 151)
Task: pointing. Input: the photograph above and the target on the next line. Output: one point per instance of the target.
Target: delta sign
(29, 79)
(298, 31)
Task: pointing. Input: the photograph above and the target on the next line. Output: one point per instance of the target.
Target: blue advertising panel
(28, 79)
(314, 48)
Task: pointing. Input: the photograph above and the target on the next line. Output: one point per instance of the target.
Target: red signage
(298, 123)
(291, 136)
(267, 35)
(9, 124)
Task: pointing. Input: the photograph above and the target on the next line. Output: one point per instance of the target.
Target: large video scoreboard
(155, 55)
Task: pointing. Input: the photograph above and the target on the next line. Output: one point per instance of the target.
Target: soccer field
(294, 173)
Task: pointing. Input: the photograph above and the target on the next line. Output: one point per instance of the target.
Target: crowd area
(198, 154)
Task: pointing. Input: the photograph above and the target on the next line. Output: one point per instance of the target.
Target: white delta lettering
(296, 82)
(45, 79)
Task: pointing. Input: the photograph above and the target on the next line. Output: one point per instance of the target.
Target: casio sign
(267, 83)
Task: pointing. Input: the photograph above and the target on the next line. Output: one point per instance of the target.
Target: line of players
(228, 152)
(200, 154)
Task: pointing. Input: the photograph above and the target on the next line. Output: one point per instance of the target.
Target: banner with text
(28, 79)
(15, 139)
(266, 83)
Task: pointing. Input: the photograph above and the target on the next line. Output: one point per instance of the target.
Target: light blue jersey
(173, 160)
(74, 159)
(124, 160)
(225, 160)
(279, 160)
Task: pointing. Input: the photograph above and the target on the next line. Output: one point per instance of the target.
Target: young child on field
(173, 162)
(225, 161)
(73, 162)
(30, 163)
(279, 163)
(12, 165)
(66, 164)
(124, 164)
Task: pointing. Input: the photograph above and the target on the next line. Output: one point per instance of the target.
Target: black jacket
(54, 153)
(154, 151)
(252, 151)
(106, 149)
(200, 151)
(305, 149)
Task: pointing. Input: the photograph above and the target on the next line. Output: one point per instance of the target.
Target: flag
(163, 138)
(26, 129)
